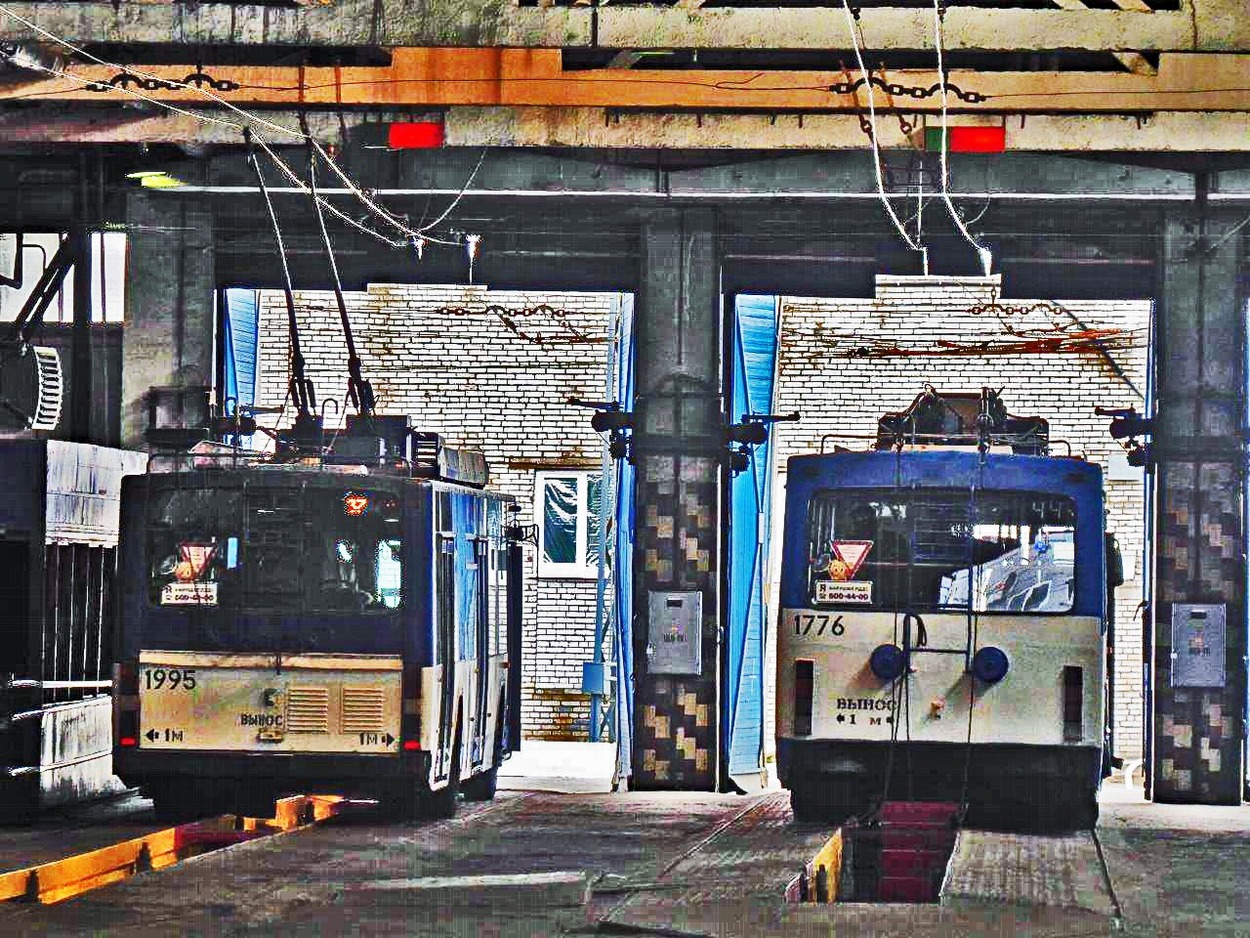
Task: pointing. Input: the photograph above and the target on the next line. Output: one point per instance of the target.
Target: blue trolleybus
(335, 625)
(942, 635)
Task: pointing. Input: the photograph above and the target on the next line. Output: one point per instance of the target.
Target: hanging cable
(359, 390)
(973, 623)
(302, 391)
(983, 252)
(252, 118)
(900, 708)
(299, 184)
(876, 152)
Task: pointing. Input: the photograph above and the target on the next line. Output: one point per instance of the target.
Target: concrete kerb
(553, 889)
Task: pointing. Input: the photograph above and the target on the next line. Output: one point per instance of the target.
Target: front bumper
(996, 772)
(350, 775)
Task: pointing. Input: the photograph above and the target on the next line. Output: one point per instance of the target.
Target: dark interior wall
(106, 379)
(14, 606)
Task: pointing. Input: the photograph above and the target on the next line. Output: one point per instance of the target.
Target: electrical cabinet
(1198, 632)
(674, 638)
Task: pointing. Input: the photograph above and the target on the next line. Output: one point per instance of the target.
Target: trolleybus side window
(916, 549)
(356, 543)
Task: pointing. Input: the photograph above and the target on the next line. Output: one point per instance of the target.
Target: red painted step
(914, 843)
(906, 889)
(919, 813)
(912, 862)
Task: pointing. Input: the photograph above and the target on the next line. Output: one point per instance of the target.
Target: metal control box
(1198, 633)
(675, 636)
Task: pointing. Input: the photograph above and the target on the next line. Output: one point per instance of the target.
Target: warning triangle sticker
(848, 557)
(196, 556)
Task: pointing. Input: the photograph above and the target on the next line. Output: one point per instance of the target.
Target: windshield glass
(916, 549)
(305, 549)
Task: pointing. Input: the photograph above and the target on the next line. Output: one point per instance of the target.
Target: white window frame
(109, 268)
(546, 568)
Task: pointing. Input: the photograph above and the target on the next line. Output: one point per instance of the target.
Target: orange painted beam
(441, 77)
(59, 880)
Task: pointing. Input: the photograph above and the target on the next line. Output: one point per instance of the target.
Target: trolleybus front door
(445, 606)
(482, 735)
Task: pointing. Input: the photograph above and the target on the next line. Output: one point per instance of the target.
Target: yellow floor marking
(828, 858)
(59, 880)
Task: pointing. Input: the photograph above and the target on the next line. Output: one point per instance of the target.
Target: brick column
(677, 366)
(1198, 550)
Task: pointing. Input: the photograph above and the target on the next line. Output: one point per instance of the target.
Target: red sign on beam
(967, 139)
(418, 135)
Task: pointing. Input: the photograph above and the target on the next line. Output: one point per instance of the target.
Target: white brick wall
(470, 377)
(838, 393)
(439, 354)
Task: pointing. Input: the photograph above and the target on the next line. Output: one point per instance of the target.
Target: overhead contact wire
(251, 117)
(983, 253)
(876, 152)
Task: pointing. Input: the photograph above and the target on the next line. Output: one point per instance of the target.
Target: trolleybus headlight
(990, 665)
(888, 662)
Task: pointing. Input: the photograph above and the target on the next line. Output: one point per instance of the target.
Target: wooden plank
(626, 58)
(1133, 6)
(1136, 63)
(534, 77)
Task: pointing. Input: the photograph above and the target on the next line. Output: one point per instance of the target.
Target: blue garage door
(239, 347)
(754, 351)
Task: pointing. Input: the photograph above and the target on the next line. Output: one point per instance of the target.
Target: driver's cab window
(389, 566)
(360, 554)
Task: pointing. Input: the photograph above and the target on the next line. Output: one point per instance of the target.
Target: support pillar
(170, 310)
(677, 448)
(1198, 555)
(80, 343)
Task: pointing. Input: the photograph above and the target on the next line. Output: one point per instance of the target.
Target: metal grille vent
(48, 400)
(362, 709)
(307, 709)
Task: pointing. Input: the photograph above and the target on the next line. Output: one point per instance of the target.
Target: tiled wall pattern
(1199, 560)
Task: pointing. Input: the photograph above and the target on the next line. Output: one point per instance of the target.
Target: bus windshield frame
(987, 552)
(305, 549)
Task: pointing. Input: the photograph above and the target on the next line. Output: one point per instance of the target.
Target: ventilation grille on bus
(307, 709)
(362, 709)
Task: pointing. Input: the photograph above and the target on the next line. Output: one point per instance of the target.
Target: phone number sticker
(830, 591)
(189, 594)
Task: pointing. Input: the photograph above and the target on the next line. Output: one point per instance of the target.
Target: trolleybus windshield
(917, 549)
(276, 548)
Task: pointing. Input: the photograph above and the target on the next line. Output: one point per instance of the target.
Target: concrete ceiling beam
(534, 178)
(1203, 25)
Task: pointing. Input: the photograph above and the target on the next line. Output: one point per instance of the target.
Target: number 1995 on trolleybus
(337, 625)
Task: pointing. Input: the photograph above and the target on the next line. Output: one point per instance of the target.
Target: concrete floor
(544, 765)
(670, 864)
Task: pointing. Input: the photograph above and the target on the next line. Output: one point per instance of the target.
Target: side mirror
(1115, 562)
